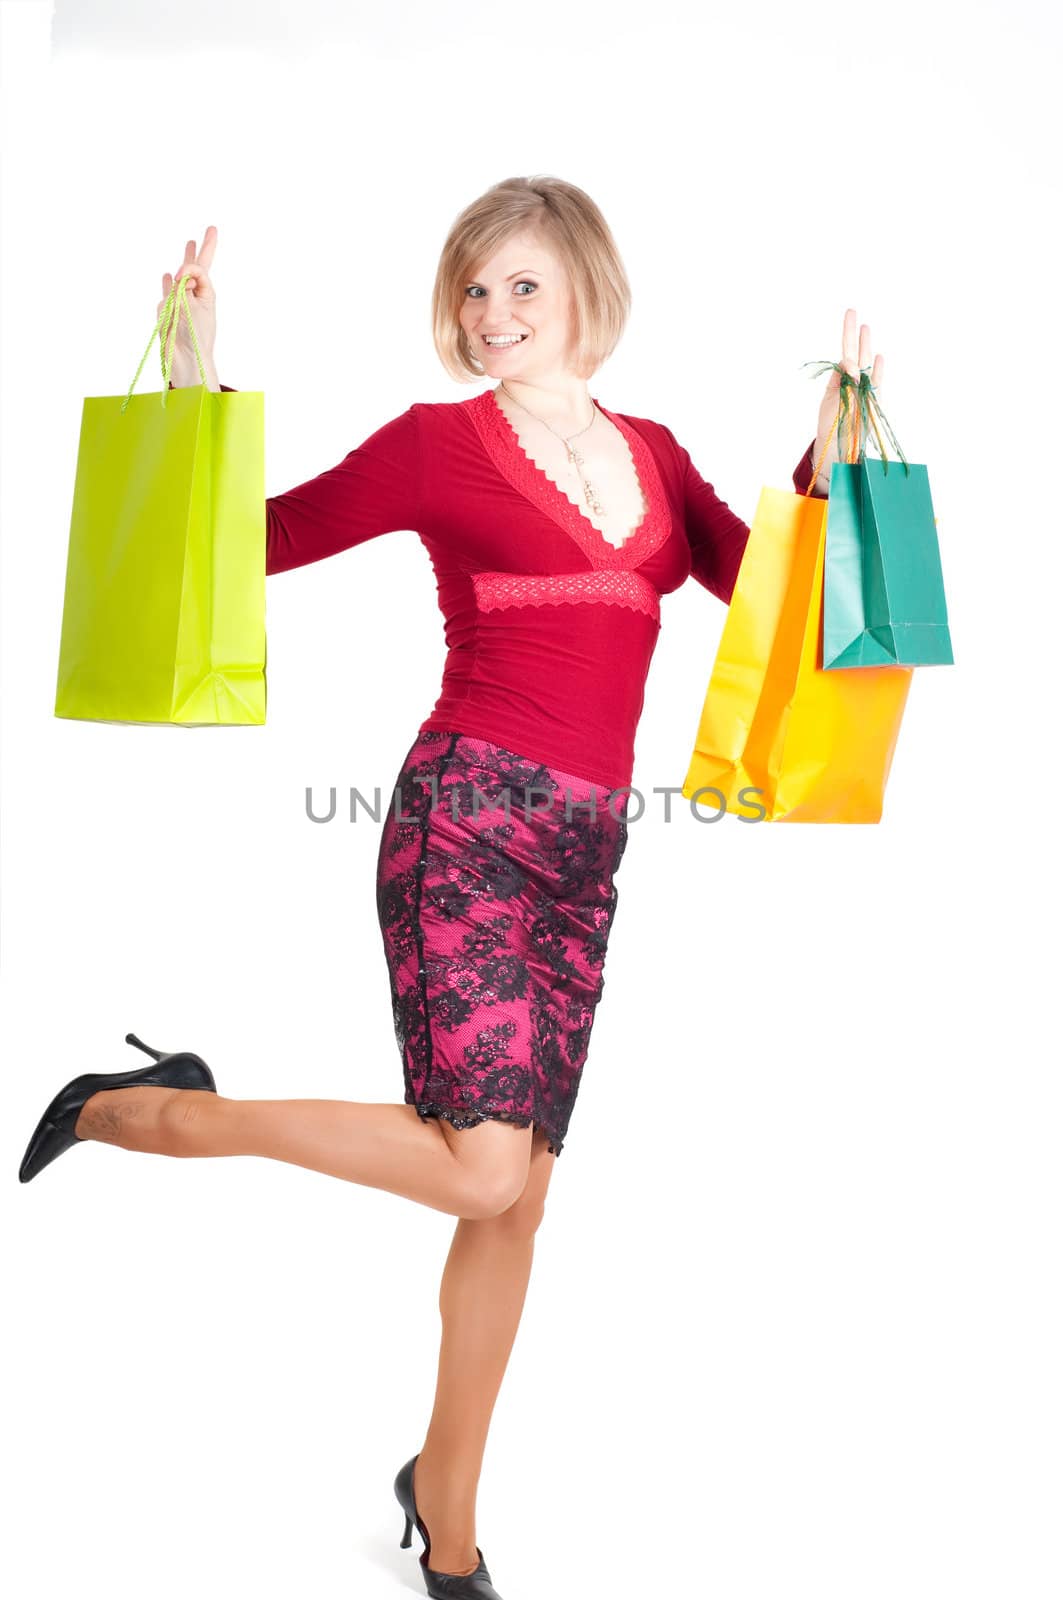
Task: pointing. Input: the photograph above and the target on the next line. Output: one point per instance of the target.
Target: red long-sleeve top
(549, 628)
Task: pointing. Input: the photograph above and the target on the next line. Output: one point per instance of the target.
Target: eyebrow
(521, 274)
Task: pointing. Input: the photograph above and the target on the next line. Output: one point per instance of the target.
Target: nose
(485, 325)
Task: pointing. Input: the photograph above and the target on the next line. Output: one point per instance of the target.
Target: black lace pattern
(495, 896)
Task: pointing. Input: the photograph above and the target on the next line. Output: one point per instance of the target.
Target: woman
(553, 525)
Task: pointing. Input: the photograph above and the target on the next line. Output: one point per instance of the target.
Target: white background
(794, 1323)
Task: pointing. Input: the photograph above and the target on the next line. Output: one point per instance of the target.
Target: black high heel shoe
(55, 1131)
(475, 1585)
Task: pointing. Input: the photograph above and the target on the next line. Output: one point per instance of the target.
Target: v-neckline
(509, 455)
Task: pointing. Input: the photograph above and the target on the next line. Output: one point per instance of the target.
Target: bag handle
(866, 410)
(169, 317)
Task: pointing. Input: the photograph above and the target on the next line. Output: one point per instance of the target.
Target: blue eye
(530, 284)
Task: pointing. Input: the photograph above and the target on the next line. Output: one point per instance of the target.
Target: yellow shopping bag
(776, 731)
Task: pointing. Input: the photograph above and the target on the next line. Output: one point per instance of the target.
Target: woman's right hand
(201, 298)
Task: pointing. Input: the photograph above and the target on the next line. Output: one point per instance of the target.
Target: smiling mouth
(509, 344)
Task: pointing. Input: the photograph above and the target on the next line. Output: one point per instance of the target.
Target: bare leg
(471, 1173)
(481, 1299)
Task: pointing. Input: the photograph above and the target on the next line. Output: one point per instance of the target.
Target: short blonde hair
(569, 222)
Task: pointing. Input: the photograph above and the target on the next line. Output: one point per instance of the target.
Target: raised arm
(716, 535)
(375, 489)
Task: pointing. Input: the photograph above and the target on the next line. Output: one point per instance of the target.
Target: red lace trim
(497, 589)
(513, 461)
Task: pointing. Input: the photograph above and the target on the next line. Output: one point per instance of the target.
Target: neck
(563, 402)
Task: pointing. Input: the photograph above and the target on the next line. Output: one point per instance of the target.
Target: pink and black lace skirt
(495, 915)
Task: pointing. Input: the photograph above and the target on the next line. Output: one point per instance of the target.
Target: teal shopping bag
(883, 594)
(883, 591)
(165, 598)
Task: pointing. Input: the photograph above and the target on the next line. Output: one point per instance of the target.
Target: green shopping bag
(883, 592)
(165, 601)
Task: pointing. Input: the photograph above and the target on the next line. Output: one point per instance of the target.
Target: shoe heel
(156, 1055)
(407, 1538)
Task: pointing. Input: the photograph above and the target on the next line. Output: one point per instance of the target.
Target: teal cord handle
(868, 409)
(169, 317)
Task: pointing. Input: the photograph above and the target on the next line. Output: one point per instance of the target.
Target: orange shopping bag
(777, 731)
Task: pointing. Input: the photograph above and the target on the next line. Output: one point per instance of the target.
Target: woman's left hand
(854, 358)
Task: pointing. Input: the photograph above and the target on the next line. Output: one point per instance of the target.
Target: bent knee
(493, 1193)
(493, 1158)
(517, 1207)
(523, 1217)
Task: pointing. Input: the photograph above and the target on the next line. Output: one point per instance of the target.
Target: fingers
(856, 352)
(197, 276)
(190, 273)
(206, 253)
(196, 264)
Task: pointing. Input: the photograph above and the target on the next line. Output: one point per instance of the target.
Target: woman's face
(524, 290)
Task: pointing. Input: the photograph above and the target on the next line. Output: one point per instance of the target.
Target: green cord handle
(867, 409)
(169, 317)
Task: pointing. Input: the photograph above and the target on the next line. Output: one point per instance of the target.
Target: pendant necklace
(574, 455)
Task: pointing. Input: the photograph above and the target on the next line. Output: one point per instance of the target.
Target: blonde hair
(569, 222)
